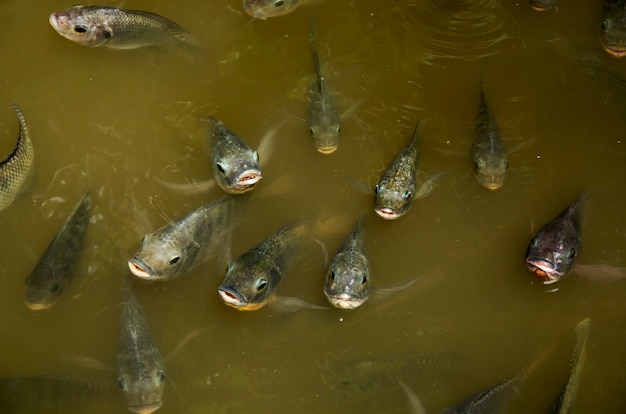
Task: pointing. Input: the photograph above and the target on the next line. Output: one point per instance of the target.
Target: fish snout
(231, 297)
(544, 270)
(140, 269)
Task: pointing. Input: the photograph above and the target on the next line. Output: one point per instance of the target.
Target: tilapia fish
(100, 26)
(54, 271)
(347, 277)
(613, 27)
(395, 190)
(234, 164)
(251, 280)
(553, 250)
(139, 366)
(262, 9)
(542, 5)
(488, 153)
(323, 118)
(175, 248)
(16, 170)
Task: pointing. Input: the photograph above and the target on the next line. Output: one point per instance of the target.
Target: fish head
(143, 391)
(551, 258)
(491, 170)
(262, 9)
(43, 292)
(347, 287)
(245, 289)
(163, 258)
(325, 137)
(237, 175)
(80, 26)
(392, 202)
(613, 32)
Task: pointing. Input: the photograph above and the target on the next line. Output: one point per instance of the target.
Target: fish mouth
(37, 305)
(345, 301)
(234, 299)
(327, 150)
(492, 186)
(140, 269)
(544, 270)
(387, 213)
(252, 11)
(145, 408)
(58, 22)
(248, 178)
(618, 53)
(540, 7)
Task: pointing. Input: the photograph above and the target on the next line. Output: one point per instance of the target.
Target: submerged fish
(613, 27)
(176, 247)
(234, 164)
(488, 153)
(100, 26)
(394, 193)
(140, 371)
(262, 9)
(553, 250)
(542, 5)
(54, 271)
(16, 169)
(323, 118)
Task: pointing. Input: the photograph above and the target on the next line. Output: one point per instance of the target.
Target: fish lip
(618, 53)
(145, 408)
(386, 213)
(345, 301)
(253, 12)
(37, 305)
(540, 8)
(248, 178)
(54, 21)
(231, 297)
(492, 186)
(327, 150)
(544, 270)
(140, 269)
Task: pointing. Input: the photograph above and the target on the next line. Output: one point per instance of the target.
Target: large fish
(17, 168)
(176, 247)
(553, 250)
(139, 363)
(542, 5)
(488, 153)
(234, 164)
(54, 271)
(323, 118)
(100, 26)
(262, 9)
(613, 27)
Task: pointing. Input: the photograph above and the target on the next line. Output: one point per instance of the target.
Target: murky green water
(122, 121)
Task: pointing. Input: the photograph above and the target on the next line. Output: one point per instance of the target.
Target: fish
(234, 164)
(415, 405)
(251, 280)
(553, 250)
(347, 278)
(114, 28)
(174, 249)
(262, 9)
(17, 168)
(323, 118)
(542, 5)
(488, 152)
(394, 193)
(613, 28)
(54, 271)
(139, 364)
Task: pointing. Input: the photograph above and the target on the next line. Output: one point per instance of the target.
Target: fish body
(613, 27)
(488, 153)
(487, 401)
(54, 271)
(394, 193)
(347, 277)
(100, 26)
(234, 164)
(262, 9)
(16, 170)
(251, 280)
(323, 118)
(553, 250)
(175, 248)
(542, 5)
(139, 362)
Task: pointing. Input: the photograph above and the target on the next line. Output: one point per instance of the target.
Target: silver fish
(175, 248)
(347, 277)
(262, 9)
(54, 271)
(234, 164)
(395, 191)
(553, 250)
(323, 118)
(16, 170)
(613, 27)
(100, 26)
(139, 366)
(542, 5)
(488, 153)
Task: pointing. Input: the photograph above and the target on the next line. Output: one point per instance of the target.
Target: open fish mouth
(327, 149)
(618, 53)
(145, 408)
(248, 178)
(231, 297)
(544, 270)
(253, 10)
(387, 213)
(540, 7)
(345, 301)
(37, 305)
(492, 185)
(140, 269)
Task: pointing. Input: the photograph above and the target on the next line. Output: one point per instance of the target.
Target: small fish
(613, 27)
(139, 363)
(488, 153)
(234, 164)
(16, 170)
(347, 277)
(553, 250)
(251, 280)
(394, 193)
(542, 5)
(100, 26)
(323, 118)
(54, 271)
(176, 247)
(262, 9)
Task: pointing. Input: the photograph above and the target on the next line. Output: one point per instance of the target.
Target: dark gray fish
(234, 164)
(488, 153)
(16, 169)
(553, 250)
(100, 26)
(487, 401)
(613, 27)
(175, 248)
(54, 271)
(323, 118)
(262, 9)
(542, 5)
(139, 363)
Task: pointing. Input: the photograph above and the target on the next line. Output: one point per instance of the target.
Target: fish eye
(54, 287)
(121, 383)
(228, 267)
(79, 28)
(160, 376)
(364, 279)
(278, 3)
(476, 165)
(377, 189)
(571, 254)
(220, 168)
(256, 156)
(605, 25)
(312, 131)
(174, 260)
(332, 275)
(506, 165)
(533, 241)
(261, 284)
(406, 196)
